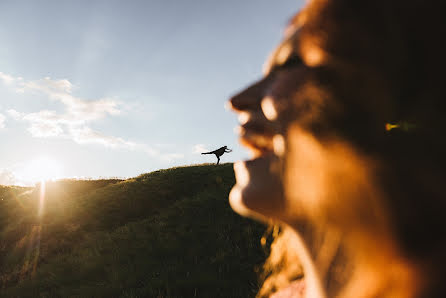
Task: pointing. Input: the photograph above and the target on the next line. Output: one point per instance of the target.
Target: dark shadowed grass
(169, 233)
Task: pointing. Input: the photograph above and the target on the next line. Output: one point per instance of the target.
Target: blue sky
(120, 88)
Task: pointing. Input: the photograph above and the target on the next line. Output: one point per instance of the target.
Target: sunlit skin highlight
(298, 178)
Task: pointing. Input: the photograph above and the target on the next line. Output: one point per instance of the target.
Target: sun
(42, 168)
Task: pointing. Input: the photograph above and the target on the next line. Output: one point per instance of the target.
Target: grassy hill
(169, 233)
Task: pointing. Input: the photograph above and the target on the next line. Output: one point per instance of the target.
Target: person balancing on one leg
(219, 152)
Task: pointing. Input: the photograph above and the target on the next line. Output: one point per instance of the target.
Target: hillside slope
(169, 233)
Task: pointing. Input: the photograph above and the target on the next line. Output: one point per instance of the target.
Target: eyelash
(292, 61)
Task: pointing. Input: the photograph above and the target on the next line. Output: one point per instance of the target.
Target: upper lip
(256, 132)
(256, 135)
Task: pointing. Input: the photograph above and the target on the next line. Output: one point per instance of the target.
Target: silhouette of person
(219, 152)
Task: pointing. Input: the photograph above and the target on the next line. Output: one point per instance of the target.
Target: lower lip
(254, 169)
(258, 187)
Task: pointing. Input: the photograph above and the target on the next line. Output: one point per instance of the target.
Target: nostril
(238, 103)
(249, 99)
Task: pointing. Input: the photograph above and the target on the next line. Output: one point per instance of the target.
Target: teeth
(268, 108)
(257, 144)
(279, 145)
(259, 141)
(255, 151)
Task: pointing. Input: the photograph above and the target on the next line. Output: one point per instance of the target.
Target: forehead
(297, 21)
(289, 44)
(301, 41)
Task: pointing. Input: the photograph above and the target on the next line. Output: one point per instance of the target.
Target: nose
(250, 98)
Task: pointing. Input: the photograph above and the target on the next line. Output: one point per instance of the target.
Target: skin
(293, 169)
(322, 159)
(266, 117)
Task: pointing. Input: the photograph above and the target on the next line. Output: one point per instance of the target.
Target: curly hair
(370, 122)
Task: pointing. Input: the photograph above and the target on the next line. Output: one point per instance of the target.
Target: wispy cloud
(85, 135)
(7, 79)
(78, 114)
(15, 115)
(200, 148)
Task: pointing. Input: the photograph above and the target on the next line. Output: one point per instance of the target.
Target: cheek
(305, 179)
(288, 188)
(333, 183)
(294, 97)
(283, 89)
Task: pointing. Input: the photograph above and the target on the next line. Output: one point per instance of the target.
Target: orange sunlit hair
(378, 198)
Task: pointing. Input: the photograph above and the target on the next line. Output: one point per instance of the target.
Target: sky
(98, 89)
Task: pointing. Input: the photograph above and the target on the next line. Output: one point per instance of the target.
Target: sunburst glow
(41, 169)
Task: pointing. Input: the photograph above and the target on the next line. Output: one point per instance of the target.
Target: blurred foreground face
(267, 113)
(306, 170)
(346, 132)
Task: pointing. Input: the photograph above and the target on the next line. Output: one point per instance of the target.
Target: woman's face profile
(265, 113)
(323, 157)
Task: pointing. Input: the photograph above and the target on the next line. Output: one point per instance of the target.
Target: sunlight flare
(40, 169)
(42, 198)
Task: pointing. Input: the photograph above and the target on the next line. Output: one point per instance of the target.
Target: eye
(292, 61)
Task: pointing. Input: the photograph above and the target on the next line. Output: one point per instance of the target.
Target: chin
(258, 191)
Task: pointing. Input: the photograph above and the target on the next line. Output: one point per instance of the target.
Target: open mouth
(261, 142)
(256, 133)
(257, 143)
(258, 178)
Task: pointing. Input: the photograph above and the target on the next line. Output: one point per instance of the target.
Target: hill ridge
(168, 233)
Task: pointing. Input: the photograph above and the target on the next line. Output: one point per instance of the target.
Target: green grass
(169, 233)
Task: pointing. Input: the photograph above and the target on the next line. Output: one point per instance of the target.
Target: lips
(256, 133)
(258, 179)
(257, 143)
(259, 187)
